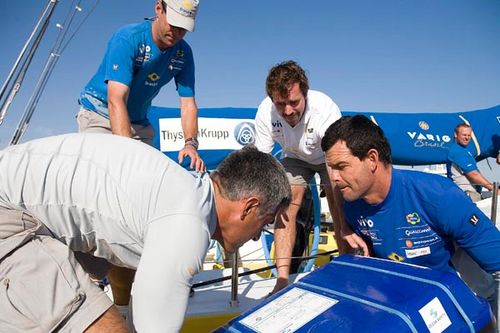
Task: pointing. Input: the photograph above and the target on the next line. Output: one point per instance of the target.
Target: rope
(255, 271)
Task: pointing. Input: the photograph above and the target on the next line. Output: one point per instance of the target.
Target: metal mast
(18, 71)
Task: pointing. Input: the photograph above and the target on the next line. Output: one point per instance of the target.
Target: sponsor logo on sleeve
(474, 220)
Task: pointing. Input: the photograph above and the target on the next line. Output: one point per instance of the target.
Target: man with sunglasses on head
(139, 60)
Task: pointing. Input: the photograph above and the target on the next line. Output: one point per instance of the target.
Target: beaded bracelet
(193, 142)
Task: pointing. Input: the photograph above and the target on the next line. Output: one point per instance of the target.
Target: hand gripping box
(355, 294)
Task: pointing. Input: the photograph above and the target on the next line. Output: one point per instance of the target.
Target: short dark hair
(248, 172)
(282, 76)
(360, 135)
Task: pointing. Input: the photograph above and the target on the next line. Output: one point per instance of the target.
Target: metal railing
(494, 204)
(496, 308)
(496, 275)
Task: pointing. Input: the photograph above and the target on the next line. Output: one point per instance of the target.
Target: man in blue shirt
(461, 166)
(407, 216)
(139, 60)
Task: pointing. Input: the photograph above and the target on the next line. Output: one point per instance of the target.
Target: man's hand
(280, 284)
(196, 161)
(356, 242)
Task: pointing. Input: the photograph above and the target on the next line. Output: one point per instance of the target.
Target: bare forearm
(476, 178)
(284, 242)
(117, 107)
(119, 119)
(189, 120)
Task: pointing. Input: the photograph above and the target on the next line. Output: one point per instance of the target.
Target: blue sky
(368, 55)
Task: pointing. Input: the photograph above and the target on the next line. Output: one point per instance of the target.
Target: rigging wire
(80, 25)
(25, 59)
(54, 55)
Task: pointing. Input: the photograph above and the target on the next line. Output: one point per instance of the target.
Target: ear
(158, 8)
(250, 205)
(373, 158)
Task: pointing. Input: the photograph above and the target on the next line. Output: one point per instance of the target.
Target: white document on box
(288, 312)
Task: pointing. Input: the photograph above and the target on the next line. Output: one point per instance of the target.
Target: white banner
(213, 133)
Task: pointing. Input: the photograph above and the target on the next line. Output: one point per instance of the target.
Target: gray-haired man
(123, 201)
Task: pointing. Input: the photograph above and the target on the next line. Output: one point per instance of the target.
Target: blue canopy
(415, 138)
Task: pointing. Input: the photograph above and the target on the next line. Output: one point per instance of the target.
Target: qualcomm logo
(244, 133)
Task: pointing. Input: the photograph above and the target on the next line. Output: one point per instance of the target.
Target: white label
(288, 312)
(413, 253)
(435, 317)
(213, 133)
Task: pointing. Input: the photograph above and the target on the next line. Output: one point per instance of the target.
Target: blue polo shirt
(132, 58)
(459, 162)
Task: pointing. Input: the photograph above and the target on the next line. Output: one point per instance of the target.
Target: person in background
(403, 215)
(139, 60)
(296, 118)
(461, 166)
(112, 198)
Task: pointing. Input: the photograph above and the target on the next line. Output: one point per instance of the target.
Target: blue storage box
(355, 294)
